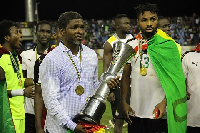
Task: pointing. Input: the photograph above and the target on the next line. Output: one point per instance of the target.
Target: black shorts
(193, 129)
(30, 123)
(145, 125)
(116, 105)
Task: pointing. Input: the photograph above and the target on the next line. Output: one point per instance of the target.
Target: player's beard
(76, 42)
(149, 34)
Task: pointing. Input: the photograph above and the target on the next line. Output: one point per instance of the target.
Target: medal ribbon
(79, 76)
(16, 65)
(140, 51)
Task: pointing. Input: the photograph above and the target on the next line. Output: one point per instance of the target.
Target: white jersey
(113, 39)
(191, 68)
(146, 91)
(28, 62)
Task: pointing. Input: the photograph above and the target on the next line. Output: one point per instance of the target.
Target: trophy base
(92, 111)
(82, 118)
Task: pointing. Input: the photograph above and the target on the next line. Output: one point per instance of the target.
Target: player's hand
(127, 111)
(79, 129)
(162, 108)
(111, 97)
(188, 95)
(114, 83)
(29, 92)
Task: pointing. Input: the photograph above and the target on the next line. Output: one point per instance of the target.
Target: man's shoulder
(54, 54)
(112, 39)
(87, 49)
(187, 54)
(133, 42)
(27, 53)
(28, 50)
(4, 58)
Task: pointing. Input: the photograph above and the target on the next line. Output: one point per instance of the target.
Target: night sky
(97, 9)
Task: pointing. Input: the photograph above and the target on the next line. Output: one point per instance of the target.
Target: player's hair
(141, 8)
(5, 29)
(119, 16)
(43, 22)
(65, 18)
(162, 17)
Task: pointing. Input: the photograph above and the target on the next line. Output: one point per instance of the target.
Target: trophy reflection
(95, 106)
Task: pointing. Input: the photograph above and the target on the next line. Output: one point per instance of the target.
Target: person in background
(164, 24)
(122, 34)
(191, 68)
(40, 110)
(157, 79)
(43, 34)
(10, 70)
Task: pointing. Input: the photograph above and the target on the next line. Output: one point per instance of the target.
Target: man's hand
(188, 95)
(127, 110)
(111, 97)
(28, 82)
(79, 129)
(162, 108)
(114, 83)
(29, 92)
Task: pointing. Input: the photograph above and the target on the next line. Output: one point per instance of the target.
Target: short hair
(119, 16)
(146, 7)
(5, 29)
(162, 17)
(42, 22)
(65, 18)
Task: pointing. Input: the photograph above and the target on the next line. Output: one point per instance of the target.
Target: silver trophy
(95, 106)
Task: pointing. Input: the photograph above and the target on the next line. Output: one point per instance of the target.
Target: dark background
(97, 9)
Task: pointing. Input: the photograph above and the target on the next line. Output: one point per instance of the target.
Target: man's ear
(138, 23)
(62, 32)
(7, 38)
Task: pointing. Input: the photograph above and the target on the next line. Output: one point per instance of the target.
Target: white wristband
(17, 92)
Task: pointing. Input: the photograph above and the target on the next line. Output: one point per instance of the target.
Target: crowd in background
(185, 30)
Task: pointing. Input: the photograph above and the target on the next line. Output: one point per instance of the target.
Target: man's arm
(125, 82)
(185, 70)
(125, 86)
(24, 73)
(107, 56)
(28, 92)
(39, 103)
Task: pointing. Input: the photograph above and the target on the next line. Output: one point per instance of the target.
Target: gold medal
(20, 82)
(79, 90)
(143, 71)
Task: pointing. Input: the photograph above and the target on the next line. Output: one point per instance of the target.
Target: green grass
(108, 113)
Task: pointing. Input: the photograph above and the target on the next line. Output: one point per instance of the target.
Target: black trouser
(30, 123)
(193, 129)
(145, 125)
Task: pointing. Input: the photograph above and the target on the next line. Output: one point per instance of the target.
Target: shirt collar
(65, 49)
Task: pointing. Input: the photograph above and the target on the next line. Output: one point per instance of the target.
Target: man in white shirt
(69, 75)
(43, 34)
(191, 68)
(157, 79)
